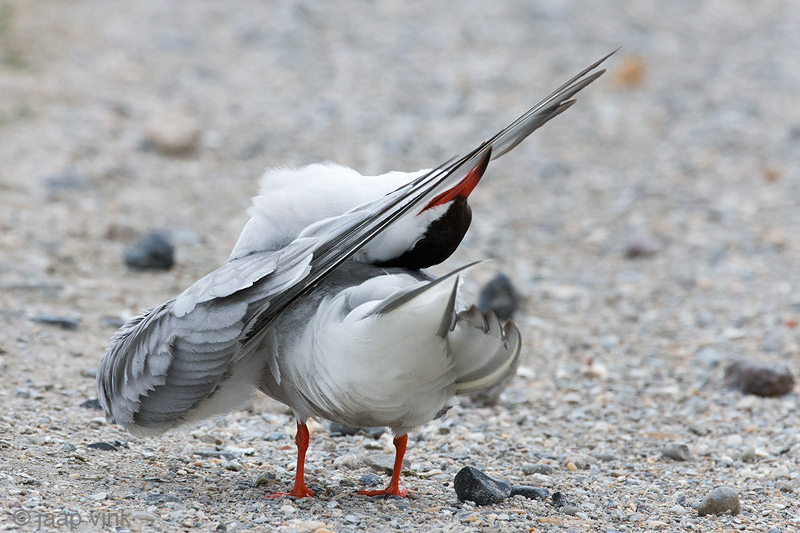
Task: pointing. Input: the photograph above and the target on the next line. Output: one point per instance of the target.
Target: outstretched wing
(188, 356)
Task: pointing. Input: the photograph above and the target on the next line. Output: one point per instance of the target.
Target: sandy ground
(689, 149)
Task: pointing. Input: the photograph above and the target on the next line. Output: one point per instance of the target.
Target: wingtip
(449, 312)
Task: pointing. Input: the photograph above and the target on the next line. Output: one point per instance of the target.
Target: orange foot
(296, 492)
(388, 491)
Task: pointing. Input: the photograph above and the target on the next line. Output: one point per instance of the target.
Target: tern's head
(435, 232)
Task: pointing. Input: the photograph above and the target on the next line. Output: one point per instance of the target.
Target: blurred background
(652, 229)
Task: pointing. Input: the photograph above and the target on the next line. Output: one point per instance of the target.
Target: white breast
(374, 370)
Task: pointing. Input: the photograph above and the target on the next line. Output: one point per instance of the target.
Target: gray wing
(188, 357)
(184, 359)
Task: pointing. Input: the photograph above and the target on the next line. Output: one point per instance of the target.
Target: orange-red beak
(464, 187)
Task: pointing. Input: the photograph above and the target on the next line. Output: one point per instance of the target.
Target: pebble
(641, 244)
(233, 466)
(748, 455)
(719, 501)
(336, 429)
(383, 462)
(64, 322)
(98, 496)
(570, 509)
(759, 378)
(264, 478)
(92, 403)
(173, 133)
(370, 480)
(154, 251)
(532, 493)
(288, 509)
(104, 446)
(473, 485)
(578, 460)
(540, 468)
(349, 461)
(210, 452)
(500, 296)
(676, 451)
(559, 500)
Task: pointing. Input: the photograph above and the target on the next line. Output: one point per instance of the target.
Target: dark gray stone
(154, 251)
(559, 500)
(500, 296)
(761, 379)
(473, 485)
(532, 493)
(104, 446)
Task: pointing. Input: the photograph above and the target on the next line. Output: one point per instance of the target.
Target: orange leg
(299, 490)
(394, 488)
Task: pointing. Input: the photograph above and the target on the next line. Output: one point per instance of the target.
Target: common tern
(322, 306)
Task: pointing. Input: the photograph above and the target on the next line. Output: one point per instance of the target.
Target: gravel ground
(653, 230)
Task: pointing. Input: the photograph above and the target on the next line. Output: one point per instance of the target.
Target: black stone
(92, 403)
(104, 446)
(500, 296)
(473, 485)
(154, 251)
(559, 500)
(532, 493)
